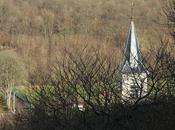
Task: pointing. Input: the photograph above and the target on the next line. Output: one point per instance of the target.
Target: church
(134, 75)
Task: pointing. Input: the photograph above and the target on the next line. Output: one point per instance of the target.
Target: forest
(60, 64)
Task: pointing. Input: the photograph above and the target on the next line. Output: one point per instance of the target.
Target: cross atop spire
(132, 10)
(132, 56)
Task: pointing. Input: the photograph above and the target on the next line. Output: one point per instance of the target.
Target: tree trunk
(9, 95)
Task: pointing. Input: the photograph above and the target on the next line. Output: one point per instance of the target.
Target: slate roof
(132, 61)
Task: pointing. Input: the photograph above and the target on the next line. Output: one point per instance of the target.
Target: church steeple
(134, 78)
(132, 57)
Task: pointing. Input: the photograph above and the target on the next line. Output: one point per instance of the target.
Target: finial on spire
(132, 10)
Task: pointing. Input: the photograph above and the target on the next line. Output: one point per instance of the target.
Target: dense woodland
(37, 30)
(59, 53)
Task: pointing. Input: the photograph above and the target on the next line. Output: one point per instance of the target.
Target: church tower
(134, 76)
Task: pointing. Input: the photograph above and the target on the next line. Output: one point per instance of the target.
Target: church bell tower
(134, 75)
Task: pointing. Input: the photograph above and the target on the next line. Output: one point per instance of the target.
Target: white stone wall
(136, 81)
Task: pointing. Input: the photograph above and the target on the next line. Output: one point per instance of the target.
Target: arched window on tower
(134, 90)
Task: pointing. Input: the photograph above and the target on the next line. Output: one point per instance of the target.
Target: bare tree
(12, 74)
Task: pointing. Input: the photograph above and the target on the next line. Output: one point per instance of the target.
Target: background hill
(99, 18)
(39, 29)
(60, 55)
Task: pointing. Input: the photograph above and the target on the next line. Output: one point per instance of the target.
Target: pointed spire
(132, 56)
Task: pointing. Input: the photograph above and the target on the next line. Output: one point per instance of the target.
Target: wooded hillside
(60, 65)
(38, 29)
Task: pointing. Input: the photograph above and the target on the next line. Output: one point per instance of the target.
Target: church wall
(134, 83)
